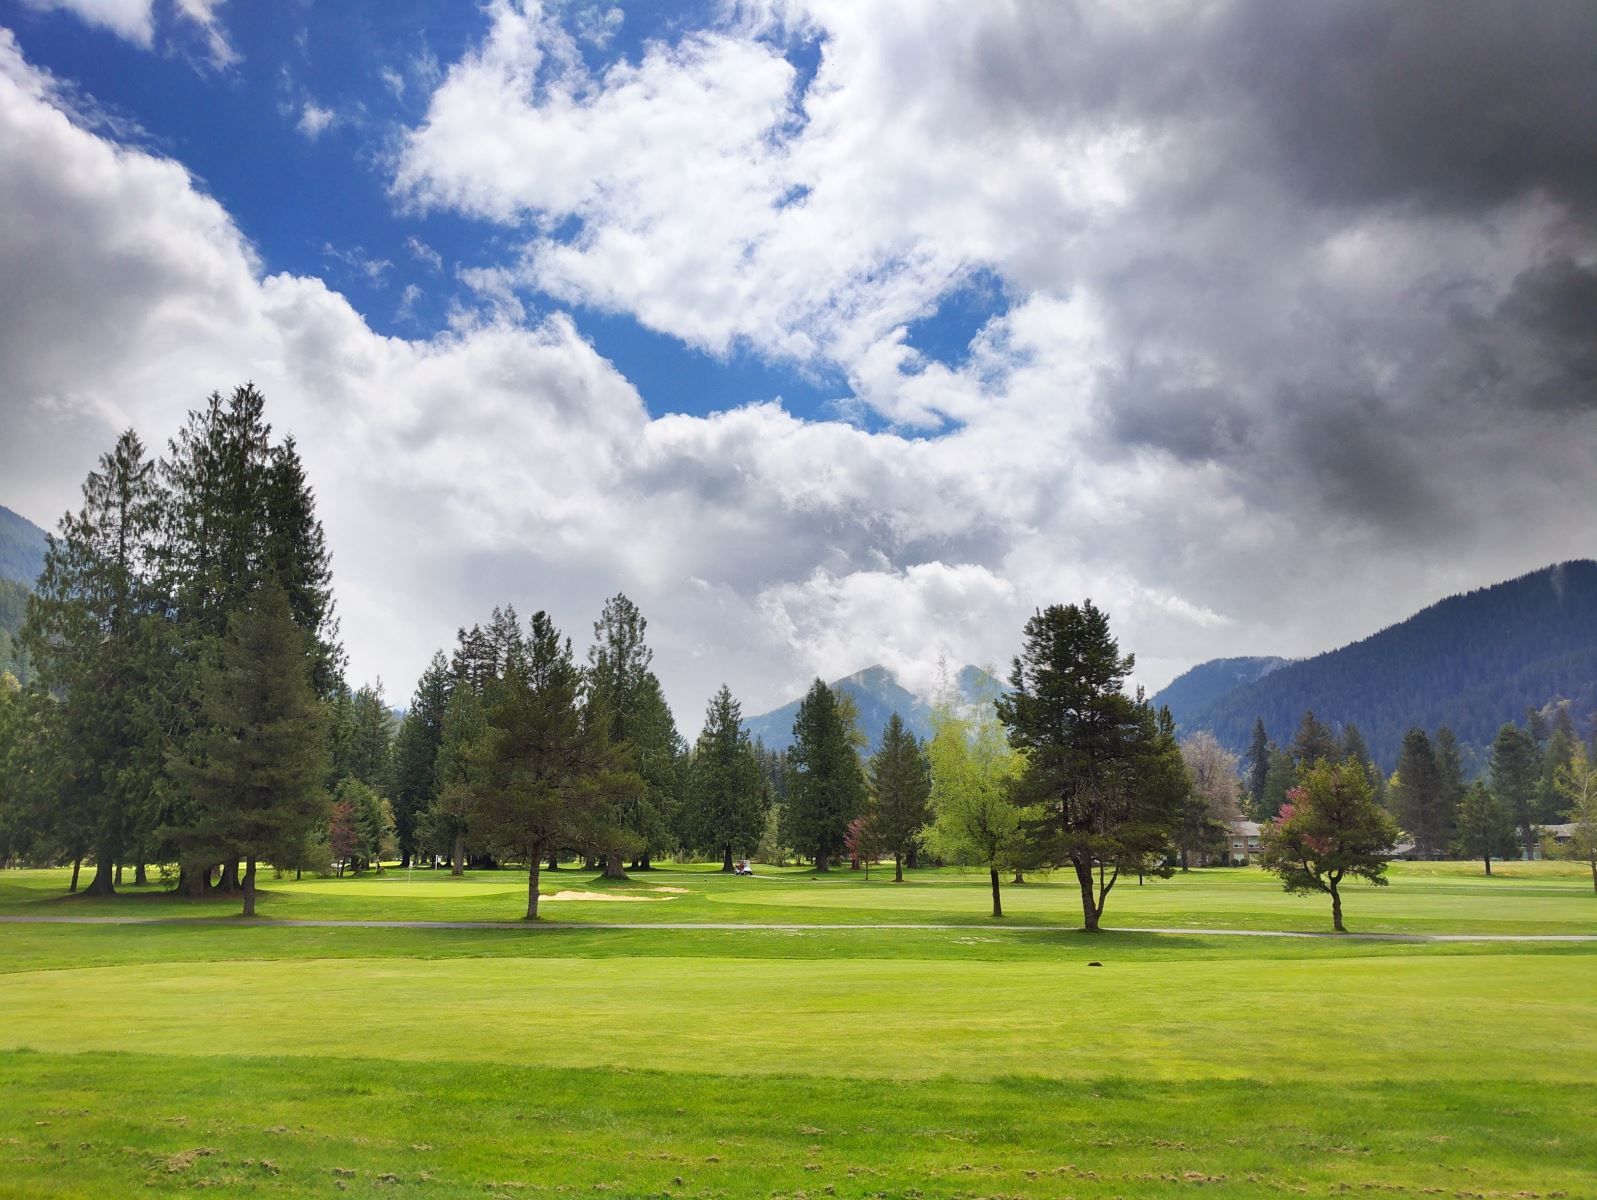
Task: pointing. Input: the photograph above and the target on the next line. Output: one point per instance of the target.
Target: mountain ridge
(1472, 661)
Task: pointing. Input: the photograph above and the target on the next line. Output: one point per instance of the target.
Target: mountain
(1472, 662)
(1190, 693)
(21, 548)
(879, 695)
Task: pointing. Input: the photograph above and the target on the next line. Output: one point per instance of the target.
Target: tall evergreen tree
(415, 754)
(95, 636)
(371, 738)
(1313, 743)
(1485, 829)
(724, 807)
(462, 777)
(900, 784)
(827, 787)
(1258, 760)
(1103, 769)
(546, 768)
(632, 710)
(255, 765)
(1515, 774)
(1420, 800)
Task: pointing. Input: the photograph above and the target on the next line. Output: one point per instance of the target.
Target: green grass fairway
(275, 1060)
(1520, 898)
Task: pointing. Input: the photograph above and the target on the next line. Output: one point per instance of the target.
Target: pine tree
(1314, 742)
(631, 707)
(95, 636)
(1420, 800)
(724, 807)
(545, 769)
(827, 789)
(371, 738)
(1515, 775)
(1258, 759)
(461, 777)
(415, 754)
(900, 784)
(254, 767)
(1485, 830)
(1103, 769)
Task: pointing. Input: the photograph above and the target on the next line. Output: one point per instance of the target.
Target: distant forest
(1472, 663)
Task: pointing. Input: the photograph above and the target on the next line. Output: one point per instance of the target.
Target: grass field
(266, 1060)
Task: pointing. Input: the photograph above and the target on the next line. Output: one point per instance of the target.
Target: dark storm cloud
(1455, 105)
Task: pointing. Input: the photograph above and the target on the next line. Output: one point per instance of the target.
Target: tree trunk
(644, 863)
(912, 859)
(898, 868)
(536, 861)
(76, 864)
(726, 859)
(140, 877)
(998, 904)
(249, 886)
(821, 863)
(1594, 874)
(554, 861)
(1336, 910)
(1020, 877)
(853, 862)
(1089, 903)
(1488, 864)
(457, 856)
(613, 867)
(229, 881)
(104, 881)
(297, 874)
(117, 880)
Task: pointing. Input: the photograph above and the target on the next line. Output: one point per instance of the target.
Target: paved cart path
(544, 926)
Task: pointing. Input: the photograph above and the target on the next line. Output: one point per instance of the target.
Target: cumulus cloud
(314, 120)
(130, 19)
(1248, 400)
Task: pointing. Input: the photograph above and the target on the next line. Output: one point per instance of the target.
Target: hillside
(21, 548)
(1471, 662)
(879, 695)
(1190, 693)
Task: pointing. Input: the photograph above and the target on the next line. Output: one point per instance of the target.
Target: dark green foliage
(1421, 799)
(1552, 805)
(13, 611)
(630, 707)
(1194, 690)
(826, 789)
(900, 786)
(1258, 760)
(1102, 768)
(415, 754)
(461, 773)
(1485, 828)
(1331, 830)
(253, 768)
(1471, 662)
(97, 640)
(1314, 742)
(22, 548)
(726, 797)
(547, 774)
(1516, 779)
(1280, 778)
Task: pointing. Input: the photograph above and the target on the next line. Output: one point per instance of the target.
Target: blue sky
(831, 333)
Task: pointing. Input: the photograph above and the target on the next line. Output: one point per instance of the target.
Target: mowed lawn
(260, 1060)
(1520, 898)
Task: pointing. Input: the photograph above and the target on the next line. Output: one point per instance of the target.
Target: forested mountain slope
(21, 548)
(1191, 692)
(1471, 662)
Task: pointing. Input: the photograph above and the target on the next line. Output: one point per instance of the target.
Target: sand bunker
(606, 896)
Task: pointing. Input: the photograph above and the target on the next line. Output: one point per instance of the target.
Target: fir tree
(1515, 776)
(415, 754)
(827, 788)
(1420, 800)
(1313, 742)
(1485, 829)
(254, 767)
(96, 638)
(900, 786)
(725, 802)
(1258, 760)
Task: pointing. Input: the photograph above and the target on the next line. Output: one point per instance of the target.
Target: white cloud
(130, 19)
(202, 14)
(315, 120)
(1220, 421)
(423, 253)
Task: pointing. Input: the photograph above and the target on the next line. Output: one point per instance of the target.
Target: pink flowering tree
(1329, 830)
